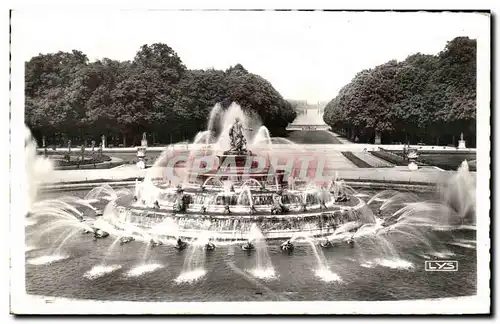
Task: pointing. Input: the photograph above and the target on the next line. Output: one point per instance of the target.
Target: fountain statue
(461, 142)
(99, 151)
(180, 202)
(144, 141)
(67, 156)
(338, 190)
(82, 153)
(92, 148)
(103, 141)
(238, 142)
(278, 207)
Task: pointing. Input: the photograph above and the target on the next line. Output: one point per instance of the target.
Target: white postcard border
(22, 303)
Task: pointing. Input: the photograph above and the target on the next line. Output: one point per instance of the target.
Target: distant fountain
(382, 196)
(60, 216)
(104, 267)
(194, 264)
(322, 269)
(212, 119)
(377, 248)
(142, 269)
(168, 227)
(228, 186)
(37, 167)
(111, 250)
(46, 259)
(415, 222)
(251, 180)
(78, 202)
(245, 197)
(263, 266)
(460, 194)
(455, 205)
(262, 137)
(55, 208)
(215, 182)
(100, 270)
(202, 137)
(101, 192)
(107, 265)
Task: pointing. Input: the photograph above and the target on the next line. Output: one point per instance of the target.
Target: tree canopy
(69, 97)
(430, 98)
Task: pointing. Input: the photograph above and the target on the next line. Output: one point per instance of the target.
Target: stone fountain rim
(129, 182)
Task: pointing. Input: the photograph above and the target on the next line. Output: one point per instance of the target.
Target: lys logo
(441, 265)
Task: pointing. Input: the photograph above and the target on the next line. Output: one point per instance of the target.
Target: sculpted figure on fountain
(237, 142)
(180, 202)
(278, 207)
(338, 189)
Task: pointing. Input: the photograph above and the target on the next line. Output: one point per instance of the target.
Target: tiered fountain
(224, 202)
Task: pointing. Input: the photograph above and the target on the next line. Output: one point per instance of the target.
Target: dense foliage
(426, 98)
(68, 97)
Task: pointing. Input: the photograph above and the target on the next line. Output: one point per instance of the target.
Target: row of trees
(68, 97)
(425, 98)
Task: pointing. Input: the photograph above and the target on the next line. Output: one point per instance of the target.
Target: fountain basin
(165, 223)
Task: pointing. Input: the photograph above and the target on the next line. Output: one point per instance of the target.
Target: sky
(305, 55)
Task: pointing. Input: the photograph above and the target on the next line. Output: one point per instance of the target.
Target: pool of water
(88, 269)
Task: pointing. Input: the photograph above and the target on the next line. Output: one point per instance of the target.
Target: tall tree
(154, 92)
(51, 104)
(425, 97)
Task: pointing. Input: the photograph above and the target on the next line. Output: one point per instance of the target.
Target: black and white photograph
(249, 162)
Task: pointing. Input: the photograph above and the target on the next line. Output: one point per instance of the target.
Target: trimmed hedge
(76, 160)
(445, 160)
(390, 157)
(356, 160)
